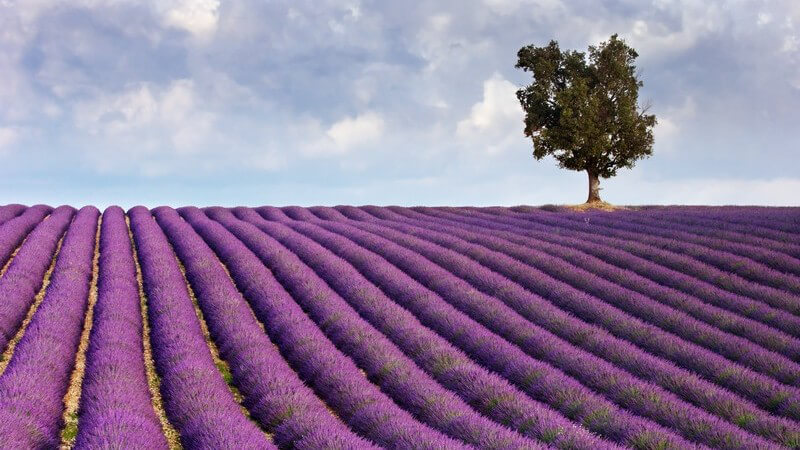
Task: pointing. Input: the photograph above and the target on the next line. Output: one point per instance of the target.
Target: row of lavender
(744, 414)
(781, 431)
(421, 303)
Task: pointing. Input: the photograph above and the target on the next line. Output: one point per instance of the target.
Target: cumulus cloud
(145, 120)
(494, 119)
(198, 17)
(670, 122)
(658, 36)
(352, 132)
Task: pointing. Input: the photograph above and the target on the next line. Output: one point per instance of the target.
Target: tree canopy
(583, 109)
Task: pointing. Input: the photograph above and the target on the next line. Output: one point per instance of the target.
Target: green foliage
(70, 430)
(584, 110)
(226, 372)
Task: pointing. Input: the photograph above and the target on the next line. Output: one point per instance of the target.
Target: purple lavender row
(787, 213)
(8, 212)
(760, 389)
(25, 275)
(728, 281)
(753, 272)
(751, 235)
(14, 231)
(627, 304)
(600, 262)
(613, 252)
(490, 394)
(734, 232)
(787, 220)
(116, 410)
(764, 391)
(33, 386)
(196, 398)
(747, 260)
(273, 393)
(383, 362)
(539, 380)
(643, 398)
(714, 226)
(748, 220)
(758, 264)
(242, 247)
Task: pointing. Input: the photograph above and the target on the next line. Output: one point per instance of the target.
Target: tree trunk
(594, 187)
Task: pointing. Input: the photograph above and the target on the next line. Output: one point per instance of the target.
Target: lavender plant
(33, 386)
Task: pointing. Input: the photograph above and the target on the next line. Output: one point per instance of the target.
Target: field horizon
(387, 327)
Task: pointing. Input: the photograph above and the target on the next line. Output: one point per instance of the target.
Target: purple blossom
(25, 275)
(334, 376)
(273, 393)
(8, 212)
(15, 230)
(488, 393)
(115, 406)
(196, 398)
(33, 386)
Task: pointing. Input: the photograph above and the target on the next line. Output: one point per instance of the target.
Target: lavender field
(390, 327)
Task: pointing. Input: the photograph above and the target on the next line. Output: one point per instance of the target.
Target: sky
(253, 102)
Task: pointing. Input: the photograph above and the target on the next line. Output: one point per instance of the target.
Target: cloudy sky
(353, 102)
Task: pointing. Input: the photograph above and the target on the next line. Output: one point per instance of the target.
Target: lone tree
(585, 112)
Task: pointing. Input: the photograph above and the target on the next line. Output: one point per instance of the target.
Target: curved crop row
(766, 392)
(748, 234)
(687, 264)
(8, 212)
(14, 231)
(714, 306)
(780, 219)
(396, 373)
(24, 276)
(272, 392)
(116, 410)
(243, 248)
(626, 305)
(626, 255)
(33, 386)
(196, 398)
(715, 224)
(758, 264)
(748, 221)
(756, 387)
(643, 398)
(494, 398)
(538, 379)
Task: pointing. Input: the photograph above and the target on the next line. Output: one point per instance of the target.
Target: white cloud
(446, 48)
(352, 132)
(655, 39)
(199, 17)
(790, 44)
(666, 129)
(670, 122)
(355, 11)
(113, 114)
(147, 119)
(496, 118)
